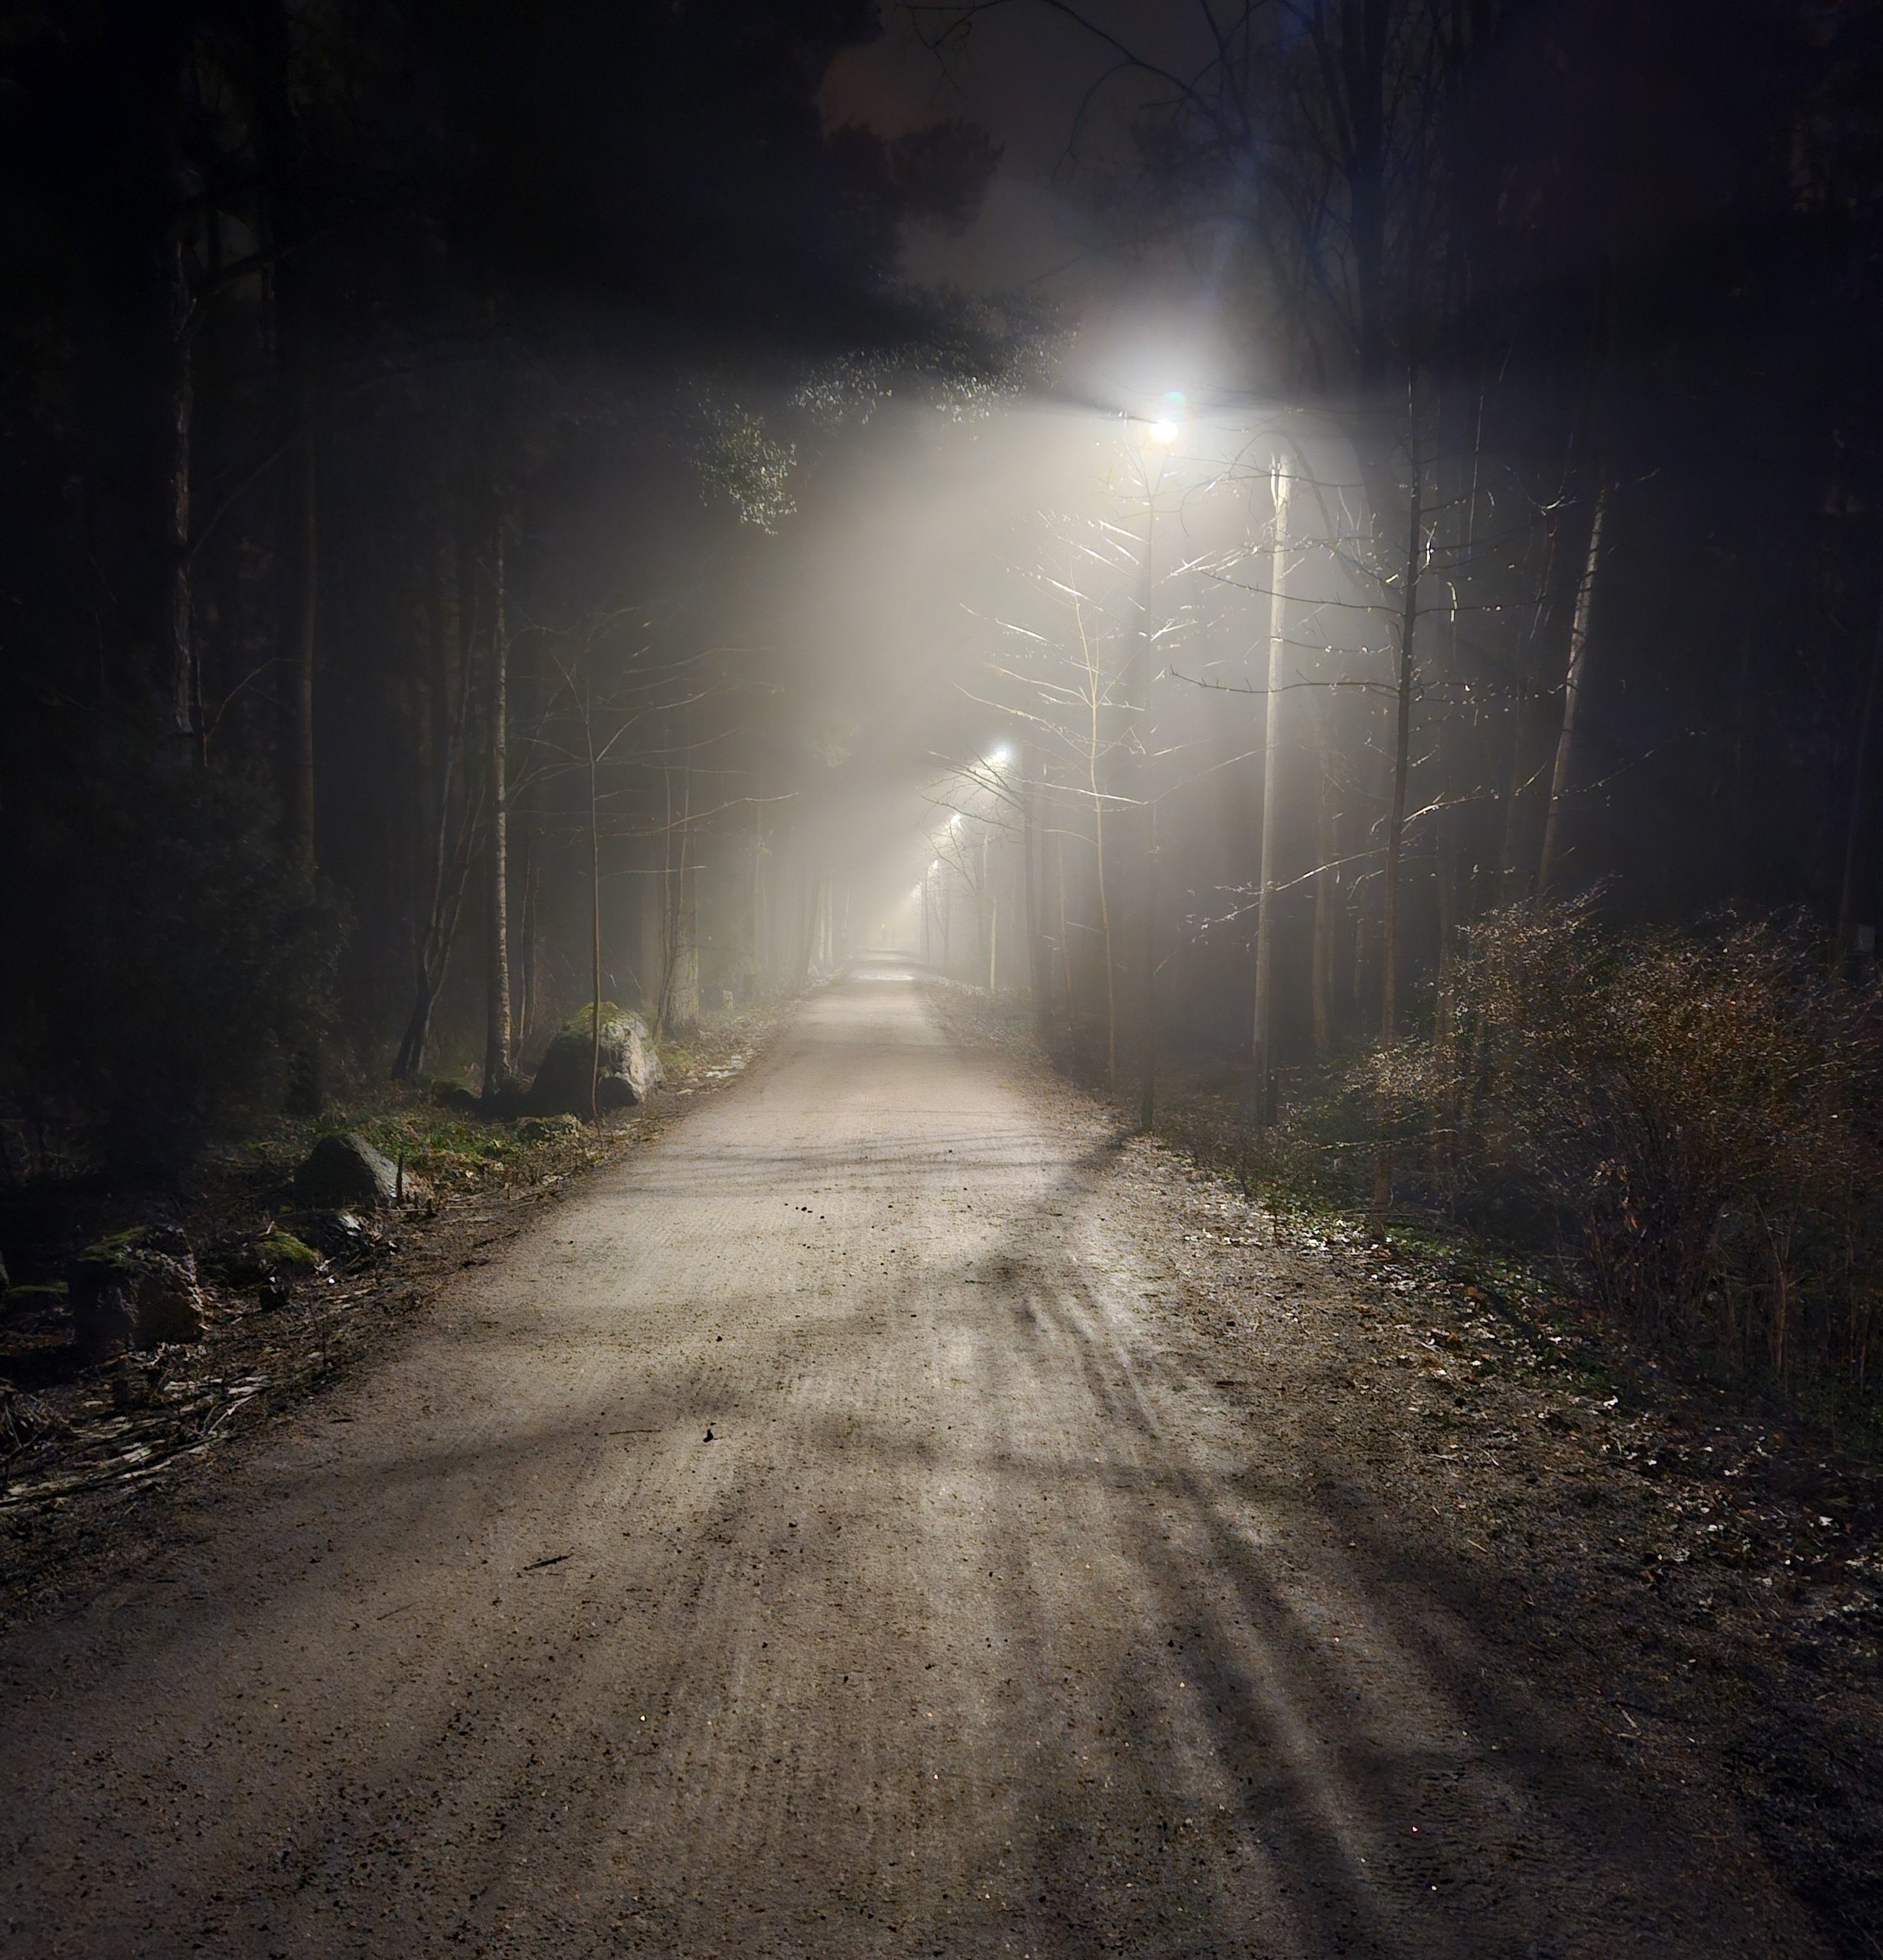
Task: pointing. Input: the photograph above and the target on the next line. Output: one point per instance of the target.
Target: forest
(1380, 661)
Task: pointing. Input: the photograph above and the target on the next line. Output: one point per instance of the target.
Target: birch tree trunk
(1571, 695)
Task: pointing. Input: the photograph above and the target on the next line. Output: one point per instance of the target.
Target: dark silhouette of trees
(317, 311)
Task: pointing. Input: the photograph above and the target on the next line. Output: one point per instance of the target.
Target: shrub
(1700, 1114)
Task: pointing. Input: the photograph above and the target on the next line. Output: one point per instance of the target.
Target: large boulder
(343, 1172)
(629, 1066)
(135, 1290)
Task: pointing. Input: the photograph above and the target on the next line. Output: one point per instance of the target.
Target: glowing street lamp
(1165, 422)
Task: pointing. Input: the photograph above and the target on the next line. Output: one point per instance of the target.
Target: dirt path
(1007, 1610)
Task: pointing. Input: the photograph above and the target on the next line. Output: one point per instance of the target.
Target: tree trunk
(680, 986)
(283, 164)
(497, 1024)
(1105, 937)
(1065, 947)
(984, 907)
(450, 858)
(1447, 877)
(527, 1005)
(1326, 889)
(686, 973)
(1146, 828)
(185, 680)
(993, 941)
(1506, 891)
(1395, 834)
(1264, 1032)
(1029, 846)
(304, 506)
(1859, 774)
(757, 963)
(594, 924)
(1571, 695)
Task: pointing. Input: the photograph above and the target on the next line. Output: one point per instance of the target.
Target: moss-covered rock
(133, 1290)
(23, 1303)
(628, 1067)
(269, 1261)
(547, 1129)
(278, 1251)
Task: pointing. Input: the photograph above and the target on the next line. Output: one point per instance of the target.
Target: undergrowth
(1679, 1135)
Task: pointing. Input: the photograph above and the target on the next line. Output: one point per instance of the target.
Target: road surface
(815, 1539)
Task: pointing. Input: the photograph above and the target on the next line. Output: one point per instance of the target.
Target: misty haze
(939, 1009)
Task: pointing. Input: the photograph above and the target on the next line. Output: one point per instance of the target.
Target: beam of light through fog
(924, 556)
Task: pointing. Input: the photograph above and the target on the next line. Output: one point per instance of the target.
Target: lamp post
(1161, 431)
(1271, 757)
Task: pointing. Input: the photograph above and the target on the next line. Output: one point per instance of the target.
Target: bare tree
(454, 825)
(1571, 695)
(499, 1074)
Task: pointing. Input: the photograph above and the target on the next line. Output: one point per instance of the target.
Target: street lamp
(1162, 427)
(1164, 420)
(1264, 1030)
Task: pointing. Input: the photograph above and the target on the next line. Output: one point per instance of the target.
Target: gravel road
(821, 1535)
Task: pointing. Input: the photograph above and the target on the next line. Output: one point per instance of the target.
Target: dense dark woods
(325, 326)
(1461, 697)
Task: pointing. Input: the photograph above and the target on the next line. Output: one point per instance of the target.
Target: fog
(972, 908)
(547, 515)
